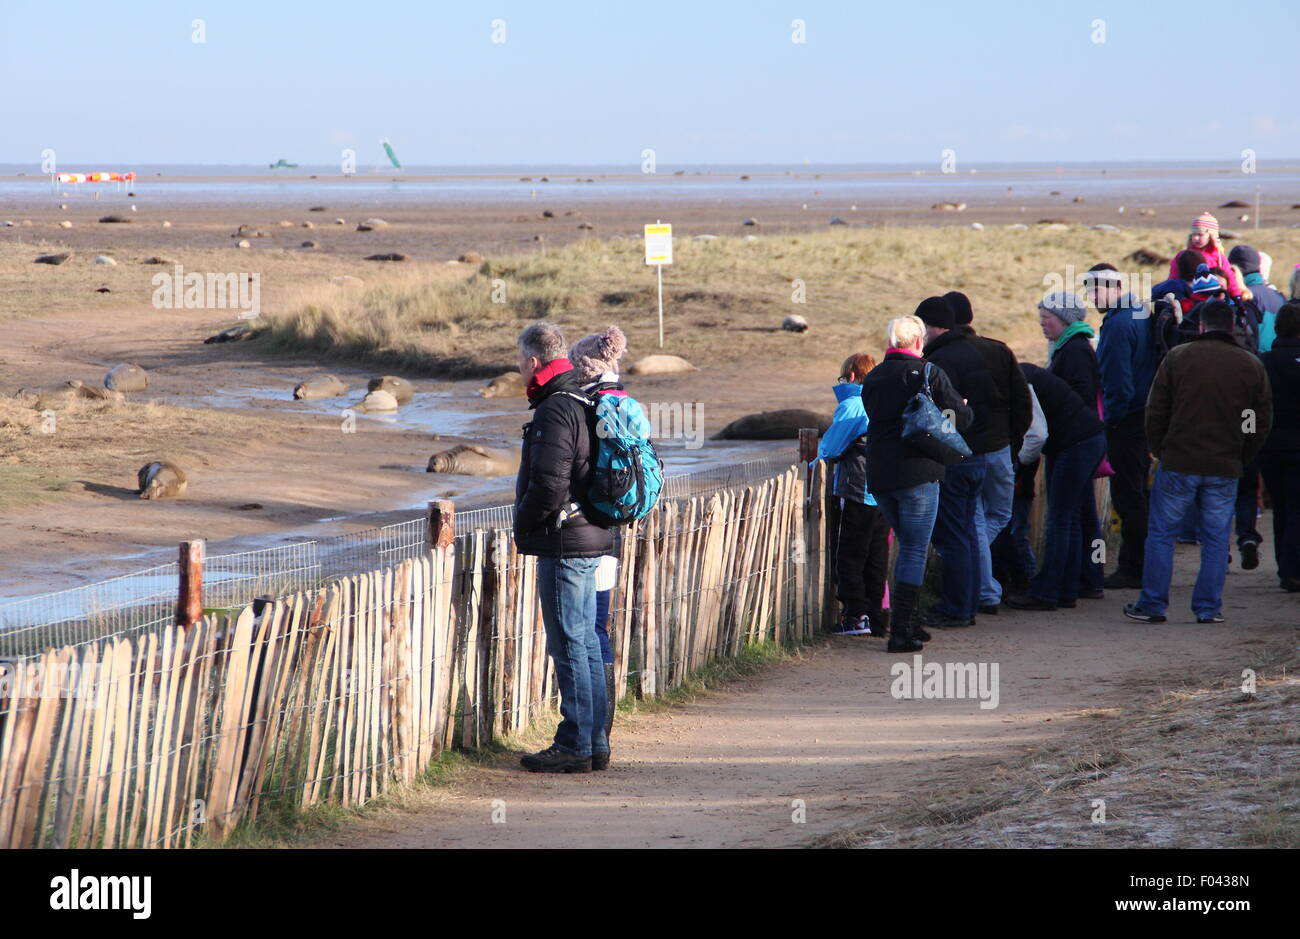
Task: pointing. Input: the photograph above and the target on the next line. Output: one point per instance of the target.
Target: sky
(596, 83)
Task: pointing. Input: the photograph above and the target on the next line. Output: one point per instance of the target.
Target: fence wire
(146, 600)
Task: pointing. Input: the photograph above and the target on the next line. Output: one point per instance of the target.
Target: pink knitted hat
(597, 353)
(1206, 222)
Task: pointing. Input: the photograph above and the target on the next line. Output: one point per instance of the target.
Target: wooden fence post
(807, 446)
(442, 523)
(189, 603)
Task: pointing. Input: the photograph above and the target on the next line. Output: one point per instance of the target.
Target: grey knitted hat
(1065, 306)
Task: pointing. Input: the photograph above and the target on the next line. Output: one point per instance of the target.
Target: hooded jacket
(1210, 409)
(554, 469)
(1011, 411)
(844, 445)
(1268, 301)
(1126, 359)
(969, 372)
(891, 462)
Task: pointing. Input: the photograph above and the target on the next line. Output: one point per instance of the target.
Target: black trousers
(861, 559)
(1126, 447)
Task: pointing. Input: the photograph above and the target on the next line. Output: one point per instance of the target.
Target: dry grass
(39, 289)
(725, 299)
(42, 460)
(1197, 769)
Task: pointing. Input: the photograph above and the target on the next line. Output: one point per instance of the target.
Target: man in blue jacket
(862, 544)
(1126, 359)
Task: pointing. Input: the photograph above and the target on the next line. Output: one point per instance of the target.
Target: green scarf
(1074, 329)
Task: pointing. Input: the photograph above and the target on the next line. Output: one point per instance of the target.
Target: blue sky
(595, 83)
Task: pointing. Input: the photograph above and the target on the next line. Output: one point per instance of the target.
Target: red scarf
(546, 373)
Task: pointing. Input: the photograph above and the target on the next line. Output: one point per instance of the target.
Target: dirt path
(724, 771)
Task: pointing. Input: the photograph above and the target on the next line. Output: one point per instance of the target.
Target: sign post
(659, 251)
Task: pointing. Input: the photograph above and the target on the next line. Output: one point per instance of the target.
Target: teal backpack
(628, 475)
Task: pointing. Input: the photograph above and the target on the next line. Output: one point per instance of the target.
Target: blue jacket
(1126, 358)
(844, 443)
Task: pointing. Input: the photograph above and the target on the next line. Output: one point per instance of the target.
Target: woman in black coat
(1071, 566)
(904, 481)
(1279, 461)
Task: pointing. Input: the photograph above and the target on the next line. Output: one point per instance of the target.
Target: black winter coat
(554, 470)
(969, 371)
(1076, 364)
(1011, 412)
(891, 463)
(1282, 363)
(1069, 421)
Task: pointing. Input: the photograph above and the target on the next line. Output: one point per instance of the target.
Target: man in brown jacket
(1208, 415)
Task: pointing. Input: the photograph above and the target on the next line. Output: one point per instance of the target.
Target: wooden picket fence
(338, 695)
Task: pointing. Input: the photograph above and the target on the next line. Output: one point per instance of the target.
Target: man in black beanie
(1010, 413)
(955, 528)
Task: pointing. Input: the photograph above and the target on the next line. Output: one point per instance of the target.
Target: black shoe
(1122, 580)
(1066, 604)
(1132, 612)
(1249, 556)
(599, 761)
(938, 620)
(1209, 620)
(555, 760)
(879, 622)
(989, 609)
(1092, 593)
(1026, 602)
(1290, 584)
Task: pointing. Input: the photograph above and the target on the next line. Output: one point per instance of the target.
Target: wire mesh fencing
(146, 600)
(337, 694)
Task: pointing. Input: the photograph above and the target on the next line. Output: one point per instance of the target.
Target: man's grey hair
(543, 340)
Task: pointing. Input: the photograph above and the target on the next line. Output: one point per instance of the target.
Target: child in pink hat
(1204, 237)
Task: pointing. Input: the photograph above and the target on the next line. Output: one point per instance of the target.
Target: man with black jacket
(1010, 414)
(559, 450)
(1279, 461)
(955, 527)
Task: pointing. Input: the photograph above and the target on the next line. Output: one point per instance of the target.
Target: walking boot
(600, 761)
(901, 636)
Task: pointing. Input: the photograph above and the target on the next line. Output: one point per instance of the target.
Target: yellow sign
(659, 244)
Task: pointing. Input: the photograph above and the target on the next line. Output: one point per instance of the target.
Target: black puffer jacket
(1069, 420)
(891, 463)
(1282, 363)
(557, 460)
(1011, 412)
(969, 371)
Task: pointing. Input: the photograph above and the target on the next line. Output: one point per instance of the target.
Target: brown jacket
(1210, 407)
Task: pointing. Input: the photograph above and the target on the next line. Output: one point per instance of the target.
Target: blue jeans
(911, 513)
(602, 625)
(567, 590)
(1214, 499)
(956, 540)
(1071, 527)
(992, 513)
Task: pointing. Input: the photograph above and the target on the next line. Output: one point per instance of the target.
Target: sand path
(725, 771)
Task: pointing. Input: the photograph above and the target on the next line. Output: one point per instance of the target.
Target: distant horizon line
(632, 166)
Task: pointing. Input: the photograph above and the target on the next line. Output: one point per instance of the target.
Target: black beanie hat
(960, 303)
(935, 311)
(1246, 258)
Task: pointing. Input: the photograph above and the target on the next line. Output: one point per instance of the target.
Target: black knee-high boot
(901, 635)
(609, 698)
